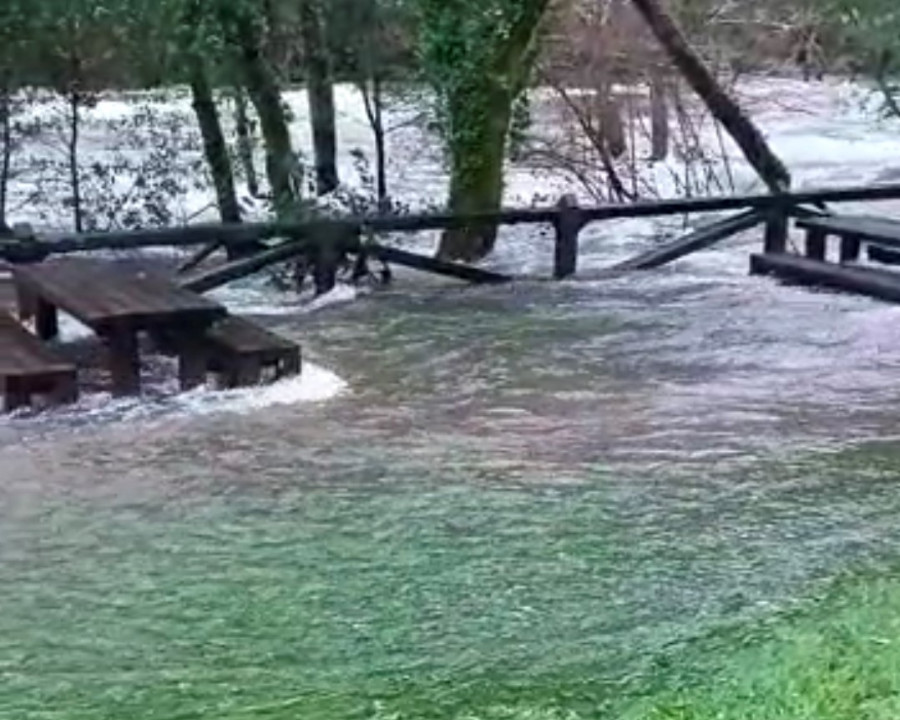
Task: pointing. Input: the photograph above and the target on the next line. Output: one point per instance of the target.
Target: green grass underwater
(462, 602)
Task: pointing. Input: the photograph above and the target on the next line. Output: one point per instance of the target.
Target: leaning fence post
(568, 225)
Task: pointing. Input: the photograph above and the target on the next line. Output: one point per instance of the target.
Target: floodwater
(505, 502)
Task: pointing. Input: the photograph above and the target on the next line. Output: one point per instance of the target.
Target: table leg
(46, 319)
(290, 365)
(192, 361)
(25, 301)
(14, 396)
(248, 372)
(66, 390)
(124, 362)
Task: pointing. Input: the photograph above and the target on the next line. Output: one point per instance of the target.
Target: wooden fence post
(568, 225)
(776, 232)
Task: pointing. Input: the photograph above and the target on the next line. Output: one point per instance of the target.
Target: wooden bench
(874, 282)
(852, 230)
(239, 350)
(28, 368)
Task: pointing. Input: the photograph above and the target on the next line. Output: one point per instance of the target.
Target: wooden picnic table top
(103, 295)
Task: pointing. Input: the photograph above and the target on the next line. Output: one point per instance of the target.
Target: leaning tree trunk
(723, 108)
(483, 111)
(320, 92)
(215, 148)
(265, 94)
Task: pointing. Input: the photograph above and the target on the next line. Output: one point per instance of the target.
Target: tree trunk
(72, 153)
(320, 94)
(723, 108)
(215, 149)
(612, 129)
(6, 157)
(476, 174)
(245, 141)
(262, 88)
(659, 117)
(482, 111)
(373, 99)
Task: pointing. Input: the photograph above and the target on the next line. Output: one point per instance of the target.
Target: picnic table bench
(853, 231)
(119, 303)
(29, 368)
(240, 349)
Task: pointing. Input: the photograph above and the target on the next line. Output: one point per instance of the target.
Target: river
(472, 492)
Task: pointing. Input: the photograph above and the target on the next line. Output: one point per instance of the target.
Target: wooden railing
(348, 234)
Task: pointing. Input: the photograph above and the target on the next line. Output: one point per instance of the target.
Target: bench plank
(28, 368)
(882, 284)
(23, 355)
(239, 335)
(239, 349)
(862, 227)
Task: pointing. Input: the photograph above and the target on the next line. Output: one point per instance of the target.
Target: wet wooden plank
(29, 368)
(701, 238)
(433, 265)
(240, 349)
(240, 335)
(23, 354)
(884, 231)
(100, 294)
(882, 284)
(227, 272)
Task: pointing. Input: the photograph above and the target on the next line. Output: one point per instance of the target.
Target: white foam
(315, 384)
(339, 295)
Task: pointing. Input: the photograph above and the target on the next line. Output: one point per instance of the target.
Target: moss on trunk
(480, 109)
(476, 180)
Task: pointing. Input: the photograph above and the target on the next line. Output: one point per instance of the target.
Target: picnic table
(118, 303)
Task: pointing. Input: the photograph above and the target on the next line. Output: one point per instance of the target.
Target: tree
(69, 32)
(723, 108)
(244, 26)
(320, 94)
(13, 29)
(873, 30)
(367, 43)
(477, 55)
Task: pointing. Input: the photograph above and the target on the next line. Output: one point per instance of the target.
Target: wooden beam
(229, 272)
(38, 248)
(884, 255)
(198, 257)
(882, 284)
(702, 237)
(432, 265)
(568, 226)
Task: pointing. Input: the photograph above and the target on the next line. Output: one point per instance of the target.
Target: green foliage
(477, 57)
(873, 29)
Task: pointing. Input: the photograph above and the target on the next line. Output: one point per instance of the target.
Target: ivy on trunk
(477, 57)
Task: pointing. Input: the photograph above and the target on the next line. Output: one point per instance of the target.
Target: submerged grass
(630, 598)
(836, 659)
